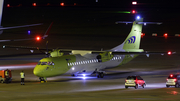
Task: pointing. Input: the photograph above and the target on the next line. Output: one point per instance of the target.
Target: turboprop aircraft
(82, 62)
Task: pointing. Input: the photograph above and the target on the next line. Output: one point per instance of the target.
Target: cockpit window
(39, 63)
(45, 63)
(50, 63)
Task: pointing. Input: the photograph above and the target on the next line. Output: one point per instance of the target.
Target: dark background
(90, 24)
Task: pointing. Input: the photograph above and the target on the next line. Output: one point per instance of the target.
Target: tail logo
(131, 40)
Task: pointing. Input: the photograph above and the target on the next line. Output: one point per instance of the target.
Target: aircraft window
(47, 68)
(50, 63)
(72, 63)
(44, 63)
(39, 63)
(81, 62)
(68, 64)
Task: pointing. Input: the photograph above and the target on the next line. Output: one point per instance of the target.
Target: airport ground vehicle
(173, 80)
(4, 78)
(134, 81)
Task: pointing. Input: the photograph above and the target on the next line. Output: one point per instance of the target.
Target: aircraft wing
(2, 28)
(42, 37)
(147, 53)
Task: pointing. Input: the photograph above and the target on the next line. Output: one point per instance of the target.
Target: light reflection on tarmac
(20, 66)
(111, 85)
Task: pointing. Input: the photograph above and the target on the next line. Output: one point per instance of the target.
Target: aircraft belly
(111, 64)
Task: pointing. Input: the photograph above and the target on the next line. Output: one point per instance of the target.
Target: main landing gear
(42, 79)
(100, 74)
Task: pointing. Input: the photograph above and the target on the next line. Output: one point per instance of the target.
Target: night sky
(151, 10)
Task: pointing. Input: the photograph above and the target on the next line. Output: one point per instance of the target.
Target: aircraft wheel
(177, 85)
(101, 75)
(136, 86)
(143, 85)
(42, 79)
(126, 87)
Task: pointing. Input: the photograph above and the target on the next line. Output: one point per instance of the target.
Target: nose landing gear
(42, 79)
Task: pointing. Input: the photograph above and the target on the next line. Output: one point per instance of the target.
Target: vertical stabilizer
(132, 42)
(1, 9)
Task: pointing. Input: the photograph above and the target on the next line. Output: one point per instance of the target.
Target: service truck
(5, 76)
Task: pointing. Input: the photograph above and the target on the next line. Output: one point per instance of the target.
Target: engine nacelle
(56, 53)
(103, 57)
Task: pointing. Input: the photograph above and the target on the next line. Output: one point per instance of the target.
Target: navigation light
(34, 4)
(133, 11)
(138, 17)
(8, 5)
(169, 53)
(165, 35)
(171, 75)
(62, 4)
(38, 38)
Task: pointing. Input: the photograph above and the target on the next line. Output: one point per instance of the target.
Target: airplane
(87, 62)
(3, 28)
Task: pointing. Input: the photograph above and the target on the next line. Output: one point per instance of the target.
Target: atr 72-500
(81, 62)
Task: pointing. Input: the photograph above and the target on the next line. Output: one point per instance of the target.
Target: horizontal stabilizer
(145, 23)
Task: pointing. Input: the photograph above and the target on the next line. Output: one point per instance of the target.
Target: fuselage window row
(82, 62)
(89, 61)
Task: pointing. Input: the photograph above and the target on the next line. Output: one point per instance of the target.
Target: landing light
(134, 3)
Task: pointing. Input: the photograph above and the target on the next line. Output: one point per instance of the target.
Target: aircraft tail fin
(132, 42)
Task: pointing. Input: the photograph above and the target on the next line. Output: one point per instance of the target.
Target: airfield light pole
(1, 4)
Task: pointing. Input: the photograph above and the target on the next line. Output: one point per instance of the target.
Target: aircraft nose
(37, 72)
